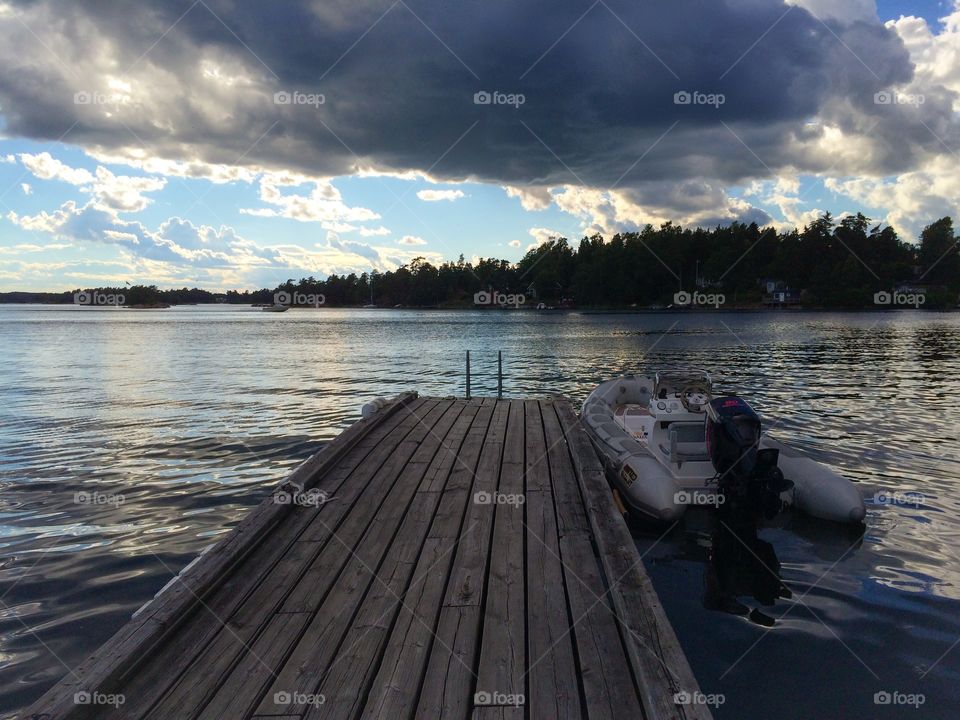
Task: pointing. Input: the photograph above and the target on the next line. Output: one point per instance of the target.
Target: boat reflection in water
(741, 564)
(742, 572)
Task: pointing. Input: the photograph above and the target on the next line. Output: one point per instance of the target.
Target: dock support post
(499, 374)
(468, 374)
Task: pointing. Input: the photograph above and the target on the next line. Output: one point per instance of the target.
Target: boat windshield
(676, 382)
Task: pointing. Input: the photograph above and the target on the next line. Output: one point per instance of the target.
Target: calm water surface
(131, 440)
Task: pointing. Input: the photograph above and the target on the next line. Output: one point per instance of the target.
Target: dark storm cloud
(399, 82)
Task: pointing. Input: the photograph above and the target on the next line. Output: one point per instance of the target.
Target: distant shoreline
(586, 310)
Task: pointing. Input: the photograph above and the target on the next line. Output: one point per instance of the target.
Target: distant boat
(275, 308)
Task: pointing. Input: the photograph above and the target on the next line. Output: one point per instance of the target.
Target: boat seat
(688, 452)
(693, 446)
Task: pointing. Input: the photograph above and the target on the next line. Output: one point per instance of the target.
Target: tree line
(835, 264)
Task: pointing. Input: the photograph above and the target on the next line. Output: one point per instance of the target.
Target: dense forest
(827, 264)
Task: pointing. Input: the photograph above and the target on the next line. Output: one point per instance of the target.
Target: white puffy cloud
(180, 251)
(118, 192)
(47, 167)
(373, 232)
(195, 169)
(323, 204)
(439, 195)
(531, 198)
(936, 56)
(412, 240)
(541, 235)
(846, 11)
(689, 203)
(25, 188)
(33, 248)
(911, 200)
(514, 243)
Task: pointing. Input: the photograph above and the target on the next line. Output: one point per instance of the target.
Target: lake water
(131, 440)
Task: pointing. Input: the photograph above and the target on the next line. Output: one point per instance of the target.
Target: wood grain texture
(471, 564)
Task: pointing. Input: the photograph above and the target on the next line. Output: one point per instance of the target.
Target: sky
(205, 143)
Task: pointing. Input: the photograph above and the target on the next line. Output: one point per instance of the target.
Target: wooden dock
(444, 558)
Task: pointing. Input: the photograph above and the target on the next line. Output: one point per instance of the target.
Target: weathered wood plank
(608, 686)
(537, 476)
(133, 643)
(571, 515)
(553, 686)
(503, 648)
(143, 689)
(470, 568)
(318, 645)
(263, 659)
(395, 689)
(202, 678)
(346, 683)
(471, 565)
(633, 598)
(341, 537)
(446, 691)
(500, 712)
(450, 676)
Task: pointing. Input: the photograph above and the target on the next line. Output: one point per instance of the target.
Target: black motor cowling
(733, 435)
(748, 477)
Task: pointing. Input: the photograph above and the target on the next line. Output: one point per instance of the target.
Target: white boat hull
(658, 489)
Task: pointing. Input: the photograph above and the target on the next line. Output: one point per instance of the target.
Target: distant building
(916, 288)
(782, 296)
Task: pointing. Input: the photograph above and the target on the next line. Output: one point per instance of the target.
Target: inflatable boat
(668, 443)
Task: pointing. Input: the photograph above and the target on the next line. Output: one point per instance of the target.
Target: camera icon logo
(282, 98)
(682, 298)
(482, 98)
(884, 97)
(882, 298)
(682, 98)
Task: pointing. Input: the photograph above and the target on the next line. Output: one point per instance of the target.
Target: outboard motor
(748, 477)
(750, 483)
